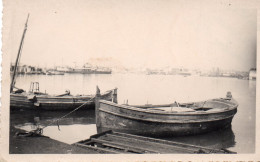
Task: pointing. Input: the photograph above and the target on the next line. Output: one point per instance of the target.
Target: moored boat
(88, 70)
(34, 99)
(166, 120)
(52, 72)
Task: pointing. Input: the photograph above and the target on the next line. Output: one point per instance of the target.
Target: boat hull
(47, 102)
(132, 120)
(82, 71)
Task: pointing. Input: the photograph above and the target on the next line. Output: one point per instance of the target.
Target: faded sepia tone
(142, 43)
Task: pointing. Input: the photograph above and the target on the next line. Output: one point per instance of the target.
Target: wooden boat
(166, 120)
(121, 143)
(37, 100)
(54, 73)
(34, 99)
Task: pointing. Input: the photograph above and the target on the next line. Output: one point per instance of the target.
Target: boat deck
(122, 143)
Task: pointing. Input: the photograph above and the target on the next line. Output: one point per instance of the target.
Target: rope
(57, 120)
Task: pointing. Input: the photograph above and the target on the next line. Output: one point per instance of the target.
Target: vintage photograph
(129, 77)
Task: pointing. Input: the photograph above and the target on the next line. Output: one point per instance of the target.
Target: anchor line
(40, 130)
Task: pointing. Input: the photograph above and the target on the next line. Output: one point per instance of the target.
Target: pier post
(115, 95)
(97, 105)
(229, 95)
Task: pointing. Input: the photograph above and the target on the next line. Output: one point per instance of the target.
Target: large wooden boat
(37, 100)
(166, 120)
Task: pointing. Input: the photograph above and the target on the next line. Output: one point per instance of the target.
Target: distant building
(21, 69)
(252, 74)
(24, 69)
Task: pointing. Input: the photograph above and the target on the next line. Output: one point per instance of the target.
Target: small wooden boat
(121, 143)
(166, 120)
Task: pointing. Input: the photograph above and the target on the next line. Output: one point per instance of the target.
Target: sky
(146, 33)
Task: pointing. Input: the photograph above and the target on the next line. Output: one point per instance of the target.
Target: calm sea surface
(143, 89)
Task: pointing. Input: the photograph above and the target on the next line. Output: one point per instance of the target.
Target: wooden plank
(97, 148)
(125, 149)
(167, 142)
(163, 147)
(124, 145)
(101, 134)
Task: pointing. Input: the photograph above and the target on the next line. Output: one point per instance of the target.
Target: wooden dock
(121, 143)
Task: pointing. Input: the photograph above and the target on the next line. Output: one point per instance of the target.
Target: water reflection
(46, 117)
(252, 87)
(73, 128)
(224, 138)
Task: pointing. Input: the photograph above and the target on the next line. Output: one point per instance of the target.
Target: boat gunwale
(153, 111)
(63, 97)
(65, 102)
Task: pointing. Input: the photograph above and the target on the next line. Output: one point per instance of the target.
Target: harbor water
(143, 89)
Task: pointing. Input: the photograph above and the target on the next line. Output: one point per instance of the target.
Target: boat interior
(209, 106)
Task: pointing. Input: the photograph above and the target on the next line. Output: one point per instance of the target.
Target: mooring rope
(40, 130)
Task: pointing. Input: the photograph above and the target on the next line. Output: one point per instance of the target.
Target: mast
(18, 56)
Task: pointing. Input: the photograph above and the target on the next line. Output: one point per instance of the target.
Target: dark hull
(47, 102)
(164, 129)
(147, 122)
